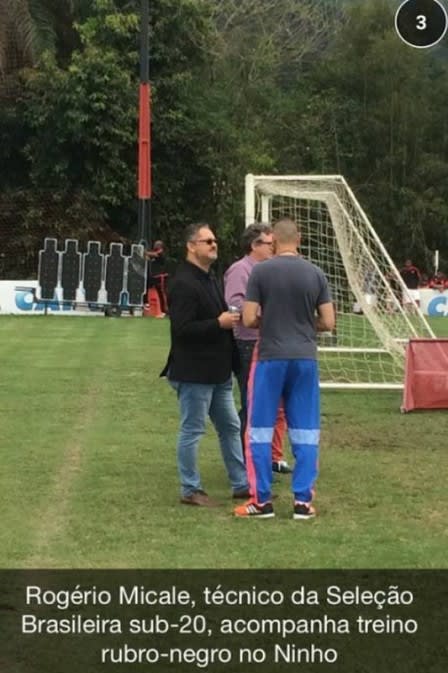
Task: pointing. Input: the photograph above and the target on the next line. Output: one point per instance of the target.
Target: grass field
(88, 473)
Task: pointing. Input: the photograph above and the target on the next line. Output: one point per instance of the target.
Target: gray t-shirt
(289, 289)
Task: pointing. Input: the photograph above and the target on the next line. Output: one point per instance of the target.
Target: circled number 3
(421, 22)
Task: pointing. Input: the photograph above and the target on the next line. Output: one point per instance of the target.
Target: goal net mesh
(367, 347)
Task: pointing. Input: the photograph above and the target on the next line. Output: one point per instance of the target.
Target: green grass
(88, 472)
(355, 331)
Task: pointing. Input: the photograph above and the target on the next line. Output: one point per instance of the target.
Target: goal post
(367, 348)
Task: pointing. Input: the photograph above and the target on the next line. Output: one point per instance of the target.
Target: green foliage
(238, 86)
(363, 111)
(83, 121)
(30, 216)
(29, 28)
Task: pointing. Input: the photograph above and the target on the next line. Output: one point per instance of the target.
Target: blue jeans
(196, 401)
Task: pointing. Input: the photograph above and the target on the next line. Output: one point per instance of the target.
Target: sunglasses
(209, 241)
(265, 243)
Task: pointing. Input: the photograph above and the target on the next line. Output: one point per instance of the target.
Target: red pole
(144, 133)
(144, 153)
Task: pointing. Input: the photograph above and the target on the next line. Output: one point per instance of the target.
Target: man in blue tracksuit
(289, 300)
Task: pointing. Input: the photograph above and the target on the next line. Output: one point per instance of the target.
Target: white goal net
(367, 348)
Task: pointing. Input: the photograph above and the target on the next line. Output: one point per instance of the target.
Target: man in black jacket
(199, 366)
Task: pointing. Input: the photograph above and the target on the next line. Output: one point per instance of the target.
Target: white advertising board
(434, 303)
(17, 298)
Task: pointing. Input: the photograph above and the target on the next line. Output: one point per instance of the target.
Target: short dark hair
(285, 230)
(192, 230)
(252, 233)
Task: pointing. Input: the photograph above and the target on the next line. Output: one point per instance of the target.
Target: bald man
(293, 299)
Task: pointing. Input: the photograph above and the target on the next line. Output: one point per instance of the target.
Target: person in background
(256, 242)
(289, 300)
(157, 252)
(157, 275)
(438, 282)
(199, 367)
(411, 278)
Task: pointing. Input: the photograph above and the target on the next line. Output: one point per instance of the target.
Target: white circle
(421, 46)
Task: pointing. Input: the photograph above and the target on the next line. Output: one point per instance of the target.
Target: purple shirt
(235, 285)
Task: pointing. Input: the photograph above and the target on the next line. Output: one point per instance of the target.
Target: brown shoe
(198, 498)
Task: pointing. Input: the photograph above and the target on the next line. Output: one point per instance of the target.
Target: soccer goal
(367, 348)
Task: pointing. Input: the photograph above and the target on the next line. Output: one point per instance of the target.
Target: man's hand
(227, 320)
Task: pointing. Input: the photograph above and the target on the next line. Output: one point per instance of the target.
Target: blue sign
(438, 306)
(25, 301)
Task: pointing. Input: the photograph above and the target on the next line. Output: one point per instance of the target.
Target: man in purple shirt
(257, 246)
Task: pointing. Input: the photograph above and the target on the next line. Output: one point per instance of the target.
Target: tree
(319, 86)
(83, 117)
(31, 27)
(363, 111)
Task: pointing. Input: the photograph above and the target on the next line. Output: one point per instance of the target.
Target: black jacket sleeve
(185, 322)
